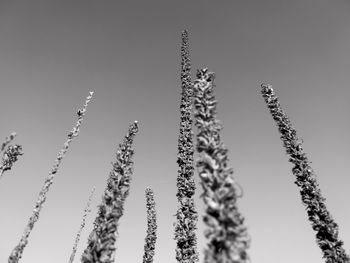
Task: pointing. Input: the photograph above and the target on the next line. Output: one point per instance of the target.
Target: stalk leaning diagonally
(18, 250)
(77, 238)
(321, 220)
(101, 242)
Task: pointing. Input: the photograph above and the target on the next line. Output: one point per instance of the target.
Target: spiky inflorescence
(151, 237)
(320, 218)
(228, 237)
(18, 250)
(101, 243)
(77, 238)
(10, 156)
(186, 250)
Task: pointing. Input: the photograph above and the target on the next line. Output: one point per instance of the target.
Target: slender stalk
(10, 156)
(321, 220)
(101, 243)
(151, 237)
(77, 238)
(7, 141)
(186, 215)
(228, 238)
(18, 250)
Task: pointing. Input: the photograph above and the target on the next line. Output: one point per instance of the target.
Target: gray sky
(52, 53)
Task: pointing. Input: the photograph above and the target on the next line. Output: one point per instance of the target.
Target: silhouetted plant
(320, 218)
(228, 237)
(101, 243)
(18, 250)
(77, 238)
(186, 250)
(151, 237)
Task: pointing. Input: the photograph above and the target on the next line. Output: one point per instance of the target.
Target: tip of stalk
(184, 33)
(91, 92)
(266, 87)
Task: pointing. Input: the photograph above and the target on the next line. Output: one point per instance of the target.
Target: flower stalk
(186, 240)
(228, 237)
(77, 238)
(18, 250)
(101, 242)
(151, 237)
(321, 220)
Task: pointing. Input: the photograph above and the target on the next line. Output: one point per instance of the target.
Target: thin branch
(77, 238)
(18, 250)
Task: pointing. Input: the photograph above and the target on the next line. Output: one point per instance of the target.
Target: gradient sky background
(53, 52)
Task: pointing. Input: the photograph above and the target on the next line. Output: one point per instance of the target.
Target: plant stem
(77, 238)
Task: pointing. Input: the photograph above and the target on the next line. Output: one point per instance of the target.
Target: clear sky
(53, 52)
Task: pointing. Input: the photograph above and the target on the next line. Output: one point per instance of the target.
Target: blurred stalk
(228, 237)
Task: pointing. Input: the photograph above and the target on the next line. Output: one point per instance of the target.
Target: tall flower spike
(186, 250)
(101, 243)
(18, 250)
(151, 237)
(320, 218)
(86, 211)
(228, 237)
(10, 156)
